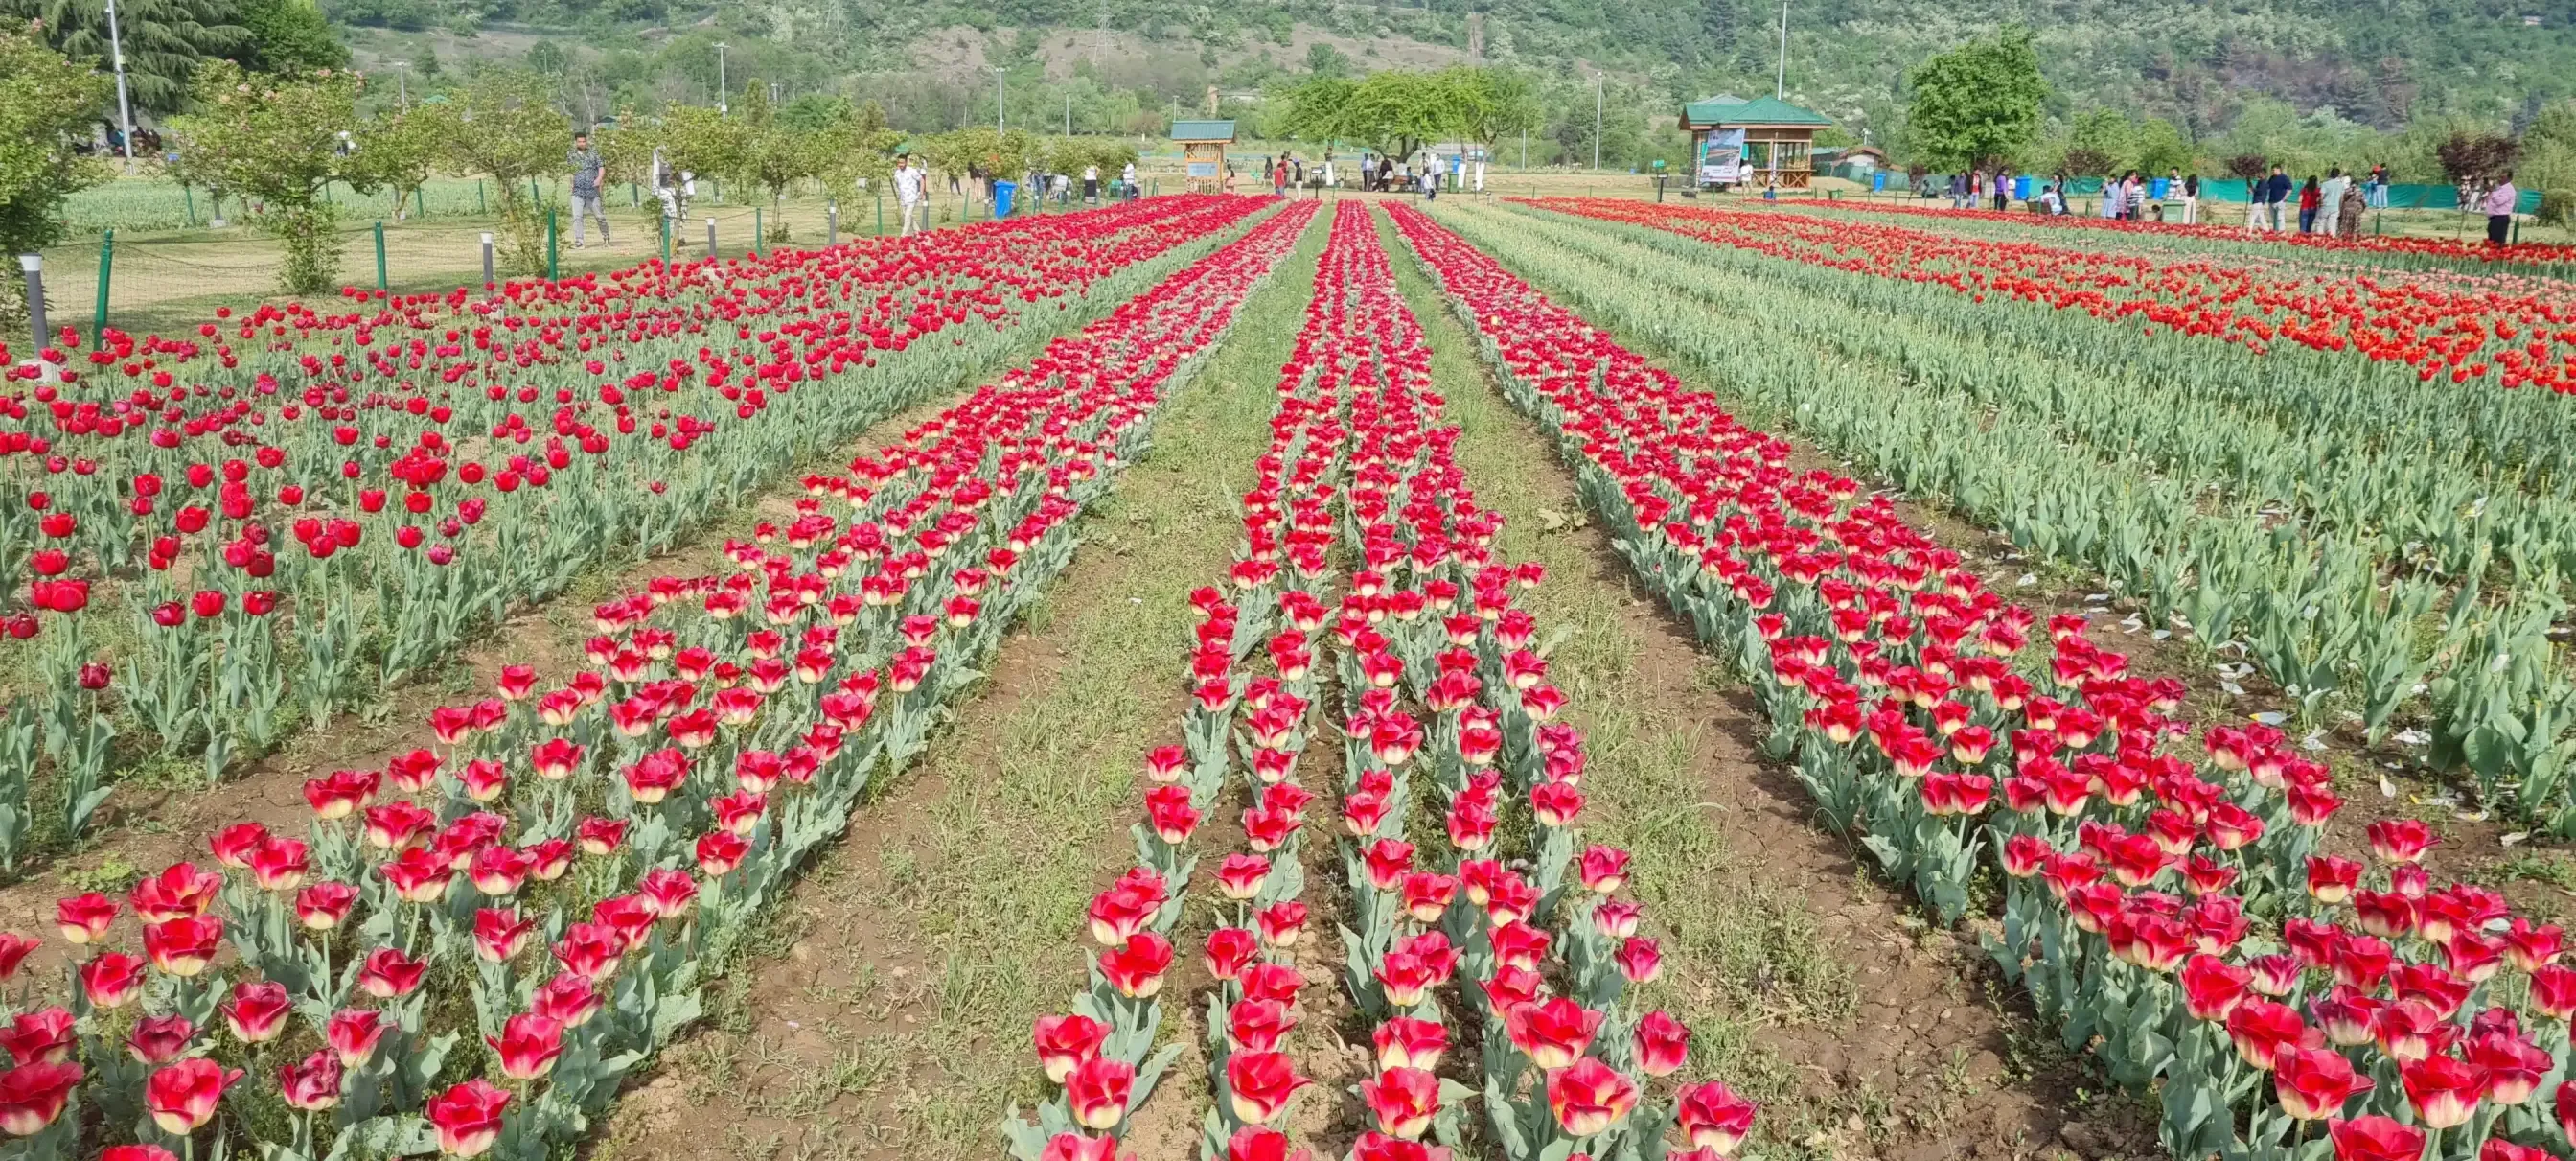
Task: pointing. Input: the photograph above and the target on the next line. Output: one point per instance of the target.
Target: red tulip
(1065, 1043)
(1552, 1033)
(1403, 1101)
(2443, 1091)
(84, 919)
(111, 979)
(468, 1118)
(2314, 1084)
(528, 1045)
(322, 906)
(2375, 1139)
(42, 1037)
(1260, 1084)
(32, 1096)
(257, 1011)
(353, 1034)
(1096, 1092)
(389, 974)
(182, 1096)
(312, 1085)
(1589, 1096)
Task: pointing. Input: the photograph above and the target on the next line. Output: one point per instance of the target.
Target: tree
(2476, 158)
(1977, 103)
(276, 139)
(774, 155)
(2248, 167)
(46, 100)
(1324, 60)
(549, 58)
(165, 40)
(2162, 148)
(287, 36)
(1493, 103)
(1393, 112)
(398, 149)
(504, 125)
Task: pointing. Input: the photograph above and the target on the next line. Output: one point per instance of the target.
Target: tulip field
(1370, 880)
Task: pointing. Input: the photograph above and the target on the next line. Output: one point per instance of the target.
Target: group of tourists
(2333, 206)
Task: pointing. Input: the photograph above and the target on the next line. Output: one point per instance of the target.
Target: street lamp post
(997, 101)
(723, 95)
(124, 109)
(402, 90)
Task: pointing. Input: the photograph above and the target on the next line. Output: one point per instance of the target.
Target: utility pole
(723, 101)
(1598, 80)
(402, 89)
(1068, 114)
(1781, 87)
(997, 102)
(124, 108)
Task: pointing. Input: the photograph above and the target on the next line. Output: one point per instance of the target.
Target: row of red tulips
(1102, 1053)
(441, 460)
(2445, 252)
(2173, 918)
(559, 874)
(1426, 634)
(2517, 332)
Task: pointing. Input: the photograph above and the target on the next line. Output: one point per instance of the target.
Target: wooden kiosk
(1203, 152)
(1777, 139)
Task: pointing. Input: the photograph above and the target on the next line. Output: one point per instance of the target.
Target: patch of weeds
(110, 877)
(2543, 867)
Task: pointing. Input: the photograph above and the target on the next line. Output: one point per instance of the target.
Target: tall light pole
(1068, 114)
(1781, 87)
(997, 102)
(723, 95)
(124, 109)
(402, 90)
(1598, 80)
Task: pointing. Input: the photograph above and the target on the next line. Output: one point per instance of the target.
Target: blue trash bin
(2021, 189)
(1002, 191)
(2156, 188)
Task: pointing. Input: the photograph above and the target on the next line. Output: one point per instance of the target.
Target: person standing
(907, 193)
(2111, 197)
(2378, 186)
(2310, 197)
(2276, 197)
(2330, 198)
(2348, 219)
(2191, 200)
(1091, 184)
(586, 168)
(1278, 176)
(2499, 206)
(1958, 190)
(2003, 189)
(1127, 180)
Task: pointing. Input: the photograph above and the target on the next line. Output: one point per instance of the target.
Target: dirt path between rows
(1868, 1032)
(887, 1014)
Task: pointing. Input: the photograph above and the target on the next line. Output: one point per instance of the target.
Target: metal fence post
(487, 260)
(106, 272)
(191, 194)
(880, 214)
(33, 266)
(832, 223)
(711, 237)
(759, 230)
(380, 256)
(554, 271)
(420, 202)
(480, 208)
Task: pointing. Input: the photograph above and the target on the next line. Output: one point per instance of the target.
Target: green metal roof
(1202, 130)
(1758, 111)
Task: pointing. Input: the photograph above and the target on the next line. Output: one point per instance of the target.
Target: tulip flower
(568, 999)
(84, 919)
(1663, 1044)
(111, 979)
(1712, 1117)
(2314, 1084)
(527, 1046)
(257, 1011)
(1097, 1091)
(41, 1037)
(1402, 1100)
(182, 1096)
(2375, 1138)
(312, 1085)
(32, 1095)
(1589, 1096)
(1065, 1043)
(1260, 1084)
(467, 1118)
(353, 1034)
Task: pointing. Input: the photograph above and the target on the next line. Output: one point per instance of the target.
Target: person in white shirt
(1127, 180)
(907, 193)
(1091, 185)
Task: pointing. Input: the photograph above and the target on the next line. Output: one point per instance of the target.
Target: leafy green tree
(504, 125)
(46, 101)
(1324, 60)
(399, 148)
(1393, 112)
(1978, 103)
(775, 155)
(549, 58)
(276, 140)
(2162, 147)
(165, 40)
(1492, 103)
(288, 36)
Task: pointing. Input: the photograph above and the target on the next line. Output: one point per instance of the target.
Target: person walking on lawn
(586, 168)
